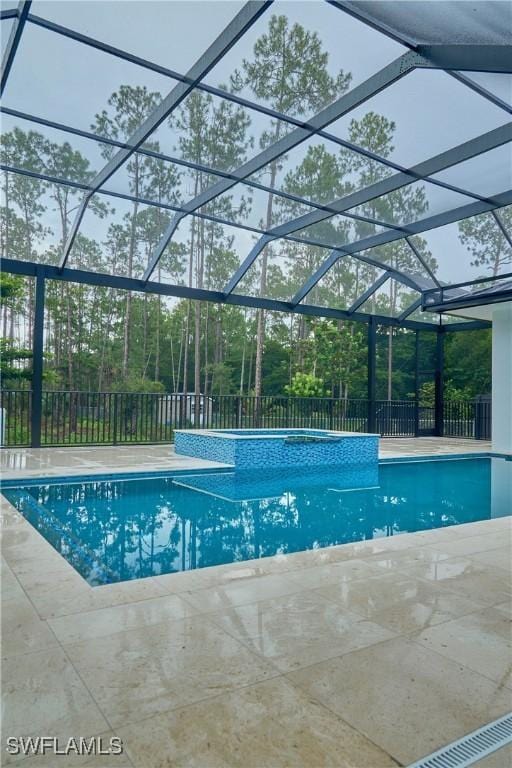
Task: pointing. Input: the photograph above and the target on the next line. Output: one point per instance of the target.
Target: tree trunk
(260, 328)
(197, 326)
(205, 385)
(184, 409)
(145, 335)
(157, 334)
(131, 255)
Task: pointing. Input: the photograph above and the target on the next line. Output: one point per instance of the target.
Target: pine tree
(212, 133)
(486, 242)
(289, 72)
(128, 108)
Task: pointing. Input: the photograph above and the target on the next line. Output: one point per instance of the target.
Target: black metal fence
(468, 419)
(111, 418)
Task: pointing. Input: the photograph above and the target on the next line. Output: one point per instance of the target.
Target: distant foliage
(305, 385)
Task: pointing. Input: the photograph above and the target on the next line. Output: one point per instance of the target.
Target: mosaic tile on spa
(272, 449)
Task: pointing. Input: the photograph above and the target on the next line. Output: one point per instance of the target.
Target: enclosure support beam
(247, 263)
(29, 269)
(14, 41)
(243, 21)
(466, 151)
(439, 383)
(37, 362)
(367, 19)
(369, 292)
(349, 101)
(473, 58)
(474, 86)
(416, 383)
(410, 309)
(372, 373)
(432, 222)
(422, 261)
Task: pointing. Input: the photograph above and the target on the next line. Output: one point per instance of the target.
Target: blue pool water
(120, 529)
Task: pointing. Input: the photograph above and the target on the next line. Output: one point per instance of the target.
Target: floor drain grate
(470, 748)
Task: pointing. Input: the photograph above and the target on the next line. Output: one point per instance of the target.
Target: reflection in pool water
(127, 529)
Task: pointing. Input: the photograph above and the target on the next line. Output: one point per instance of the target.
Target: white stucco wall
(502, 377)
(501, 488)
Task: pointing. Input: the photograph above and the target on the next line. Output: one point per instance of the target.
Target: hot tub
(260, 448)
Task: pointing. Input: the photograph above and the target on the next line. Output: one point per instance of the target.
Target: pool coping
(445, 457)
(133, 474)
(266, 434)
(222, 468)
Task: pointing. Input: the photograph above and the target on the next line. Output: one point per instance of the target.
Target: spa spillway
(260, 448)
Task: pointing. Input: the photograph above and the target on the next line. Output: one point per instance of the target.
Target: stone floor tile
(333, 573)
(136, 674)
(298, 630)
(43, 695)
(229, 573)
(505, 608)
(77, 627)
(499, 558)
(407, 699)
(472, 545)
(10, 588)
(393, 559)
(55, 595)
(400, 602)
(476, 581)
(269, 725)
(22, 631)
(481, 641)
(222, 597)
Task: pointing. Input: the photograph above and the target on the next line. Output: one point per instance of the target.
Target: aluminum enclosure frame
(430, 296)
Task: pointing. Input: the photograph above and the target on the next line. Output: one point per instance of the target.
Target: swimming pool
(120, 529)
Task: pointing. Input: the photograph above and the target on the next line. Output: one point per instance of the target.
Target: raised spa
(259, 448)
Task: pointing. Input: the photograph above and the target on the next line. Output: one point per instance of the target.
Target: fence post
(114, 436)
(482, 421)
(439, 384)
(372, 350)
(37, 362)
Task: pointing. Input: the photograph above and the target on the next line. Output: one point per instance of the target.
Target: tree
(468, 361)
(128, 108)
(211, 133)
(12, 362)
(288, 71)
(12, 290)
(305, 385)
(485, 241)
(375, 133)
(321, 178)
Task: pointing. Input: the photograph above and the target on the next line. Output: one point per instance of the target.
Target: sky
(59, 79)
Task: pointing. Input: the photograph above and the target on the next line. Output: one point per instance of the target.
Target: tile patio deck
(364, 655)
